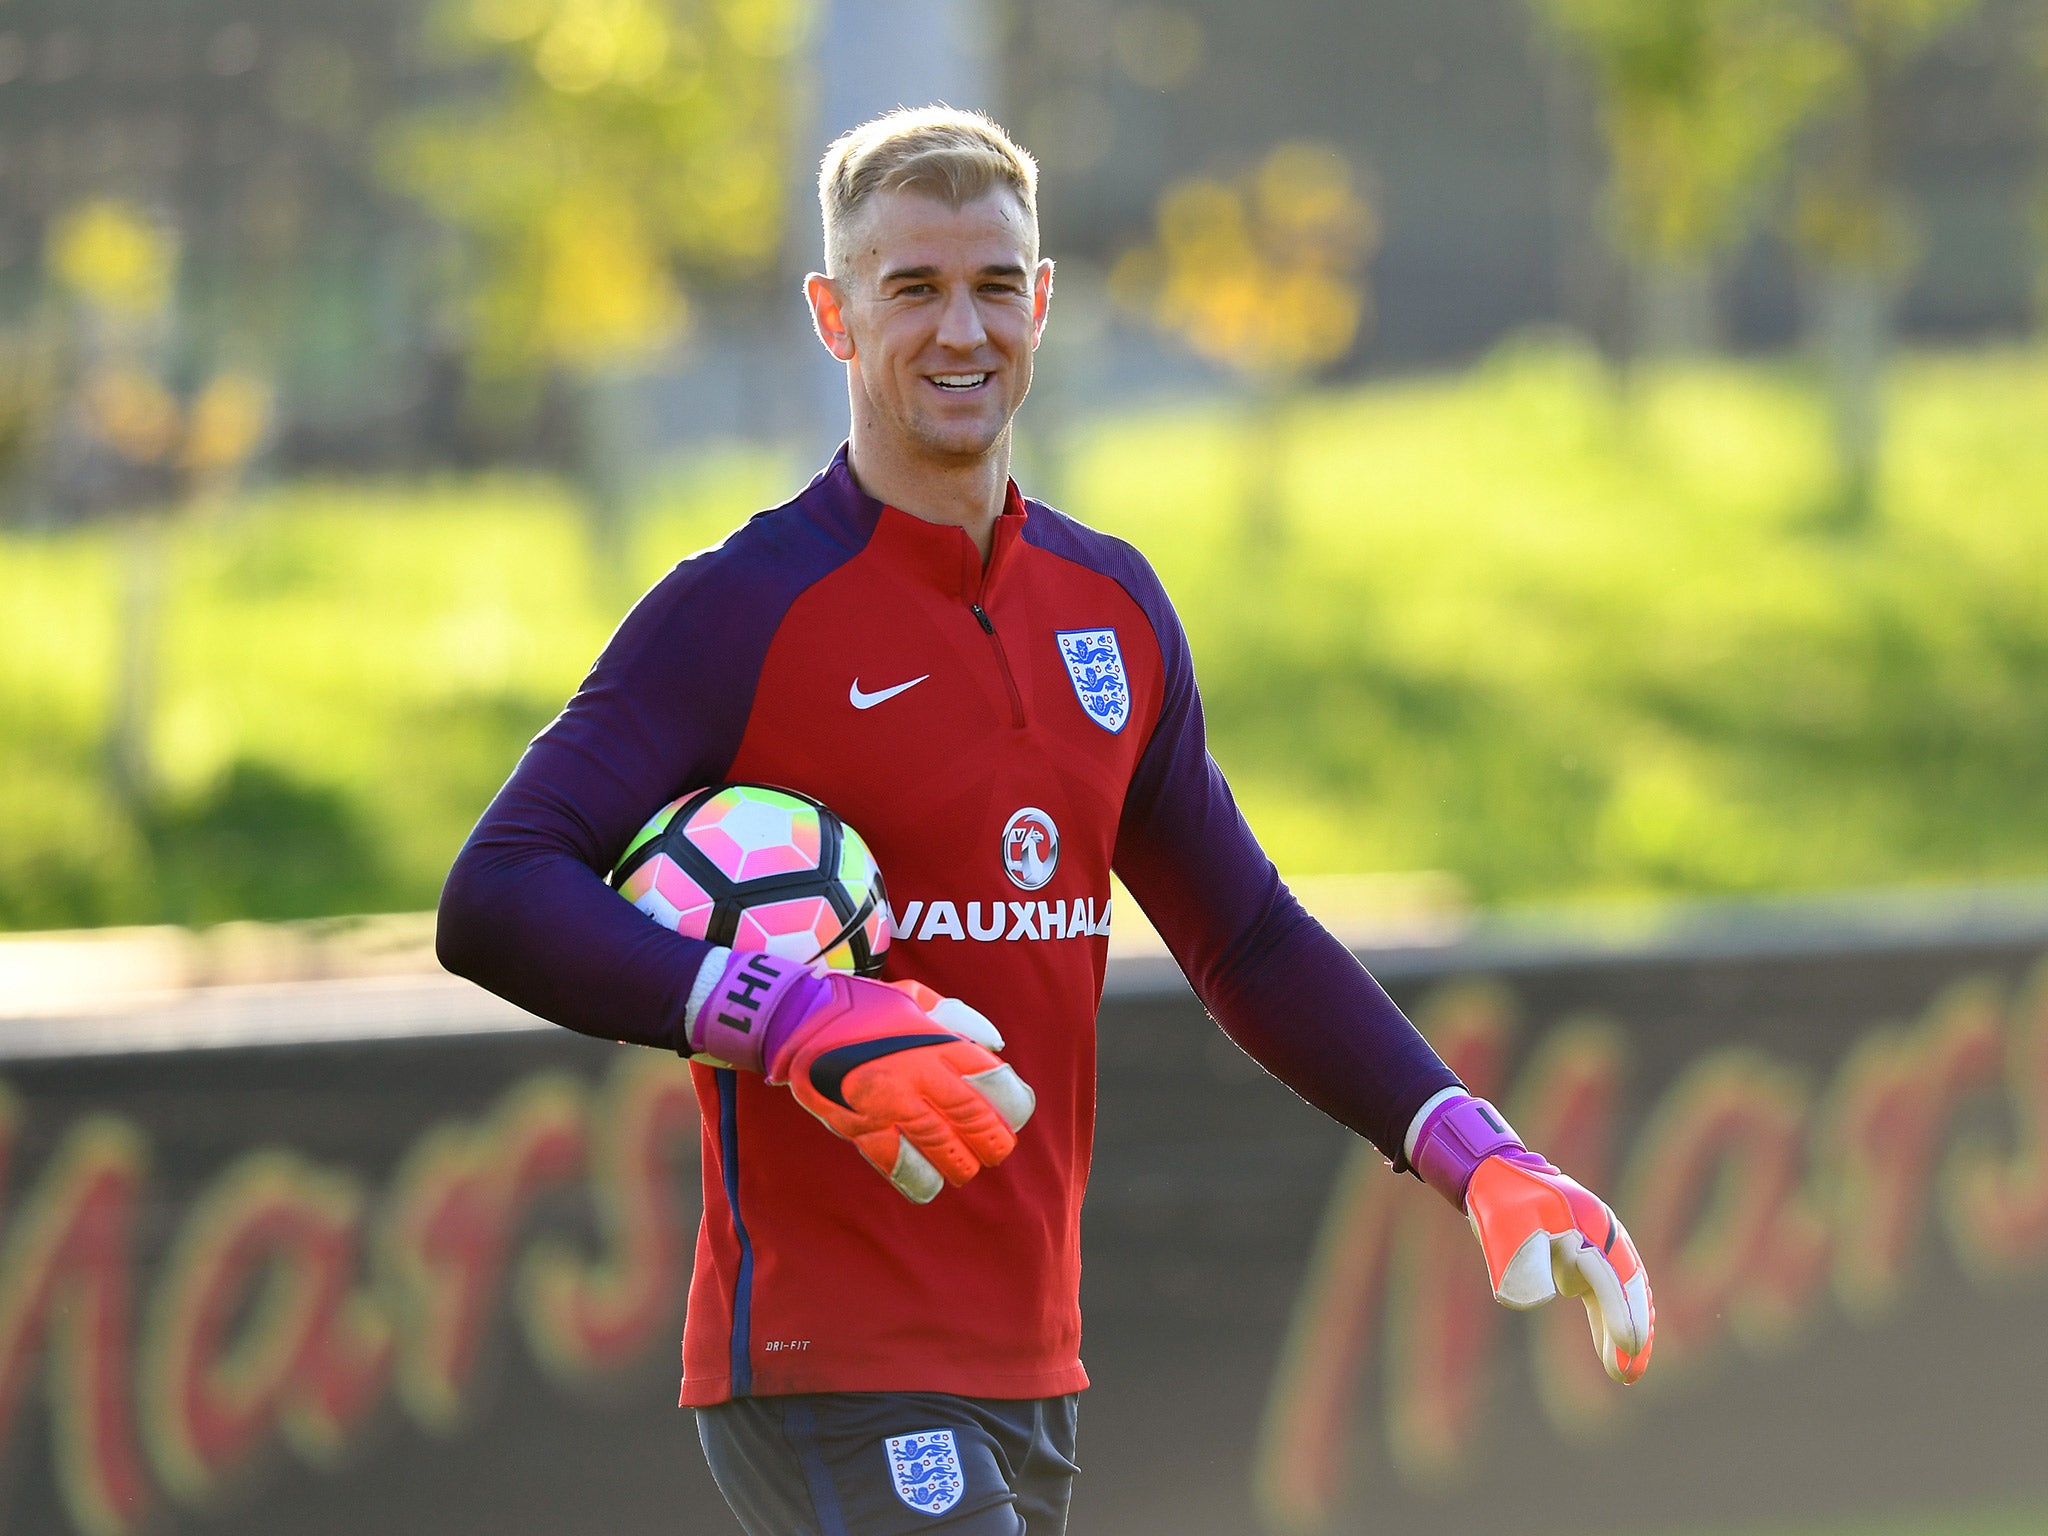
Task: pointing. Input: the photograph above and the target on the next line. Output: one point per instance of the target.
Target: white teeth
(958, 380)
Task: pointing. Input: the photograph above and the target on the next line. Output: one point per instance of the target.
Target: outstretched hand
(1542, 1234)
(1545, 1235)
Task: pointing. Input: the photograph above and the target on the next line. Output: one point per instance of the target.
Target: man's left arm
(1302, 1006)
(1297, 1001)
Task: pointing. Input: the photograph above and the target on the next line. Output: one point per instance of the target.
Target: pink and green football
(757, 867)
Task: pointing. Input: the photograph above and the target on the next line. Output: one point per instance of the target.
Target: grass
(1564, 643)
(1556, 639)
(345, 676)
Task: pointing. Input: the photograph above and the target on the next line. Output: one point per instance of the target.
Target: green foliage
(347, 675)
(261, 840)
(1560, 649)
(1848, 214)
(1559, 645)
(1699, 103)
(620, 145)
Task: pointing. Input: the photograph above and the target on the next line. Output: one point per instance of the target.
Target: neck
(967, 493)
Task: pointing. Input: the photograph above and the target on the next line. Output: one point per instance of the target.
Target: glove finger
(921, 1092)
(1510, 1208)
(1627, 1352)
(1010, 1094)
(963, 1019)
(891, 1155)
(981, 1119)
(966, 1021)
(914, 1175)
(1630, 1363)
(1527, 1280)
(1633, 1366)
(947, 1142)
(1617, 1313)
(973, 1125)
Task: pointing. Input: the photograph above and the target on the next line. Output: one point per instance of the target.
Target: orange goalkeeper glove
(1542, 1234)
(909, 1077)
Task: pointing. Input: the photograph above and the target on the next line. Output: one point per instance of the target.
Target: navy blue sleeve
(1295, 999)
(526, 911)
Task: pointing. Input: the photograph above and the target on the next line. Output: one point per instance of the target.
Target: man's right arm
(526, 911)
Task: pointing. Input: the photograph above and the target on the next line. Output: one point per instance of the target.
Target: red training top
(1003, 737)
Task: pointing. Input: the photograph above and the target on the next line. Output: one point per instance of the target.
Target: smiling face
(935, 311)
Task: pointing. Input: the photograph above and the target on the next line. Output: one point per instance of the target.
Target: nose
(960, 324)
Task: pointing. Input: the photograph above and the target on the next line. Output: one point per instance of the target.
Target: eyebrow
(912, 274)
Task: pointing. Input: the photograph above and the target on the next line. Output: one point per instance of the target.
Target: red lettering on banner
(1998, 1210)
(583, 1317)
(1735, 1235)
(260, 1327)
(347, 1361)
(1440, 1326)
(256, 1325)
(449, 1232)
(1713, 1201)
(1305, 1442)
(66, 1305)
(1299, 1475)
(1883, 1132)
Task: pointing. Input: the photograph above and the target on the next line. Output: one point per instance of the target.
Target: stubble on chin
(961, 441)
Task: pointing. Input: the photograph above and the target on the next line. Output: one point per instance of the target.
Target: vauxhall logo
(988, 921)
(1031, 848)
(1031, 852)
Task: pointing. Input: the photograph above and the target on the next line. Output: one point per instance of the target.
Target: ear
(1041, 299)
(823, 295)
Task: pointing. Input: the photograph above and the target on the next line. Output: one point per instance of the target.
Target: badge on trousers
(925, 1467)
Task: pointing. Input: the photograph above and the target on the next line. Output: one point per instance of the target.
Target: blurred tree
(1699, 102)
(1849, 219)
(1262, 274)
(608, 151)
(146, 451)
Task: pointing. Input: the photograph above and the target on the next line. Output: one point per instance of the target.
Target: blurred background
(1599, 449)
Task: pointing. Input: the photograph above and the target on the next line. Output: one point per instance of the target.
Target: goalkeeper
(1002, 701)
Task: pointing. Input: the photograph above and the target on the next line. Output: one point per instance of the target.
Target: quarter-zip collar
(940, 555)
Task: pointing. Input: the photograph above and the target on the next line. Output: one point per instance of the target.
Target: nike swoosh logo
(861, 700)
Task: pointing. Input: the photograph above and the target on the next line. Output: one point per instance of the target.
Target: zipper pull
(981, 618)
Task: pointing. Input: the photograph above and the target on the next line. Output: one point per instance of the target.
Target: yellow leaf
(111, 254)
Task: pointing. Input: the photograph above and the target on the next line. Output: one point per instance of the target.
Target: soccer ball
(756, 867)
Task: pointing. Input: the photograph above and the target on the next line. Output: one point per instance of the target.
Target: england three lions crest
(925, 1468)
(1096, 665)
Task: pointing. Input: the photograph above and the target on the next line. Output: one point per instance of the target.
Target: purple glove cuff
(1458, 1136)
(756, 1002)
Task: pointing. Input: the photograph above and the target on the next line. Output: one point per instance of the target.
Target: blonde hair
(943, 152)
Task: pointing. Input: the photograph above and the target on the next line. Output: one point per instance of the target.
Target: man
(1002, 702)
